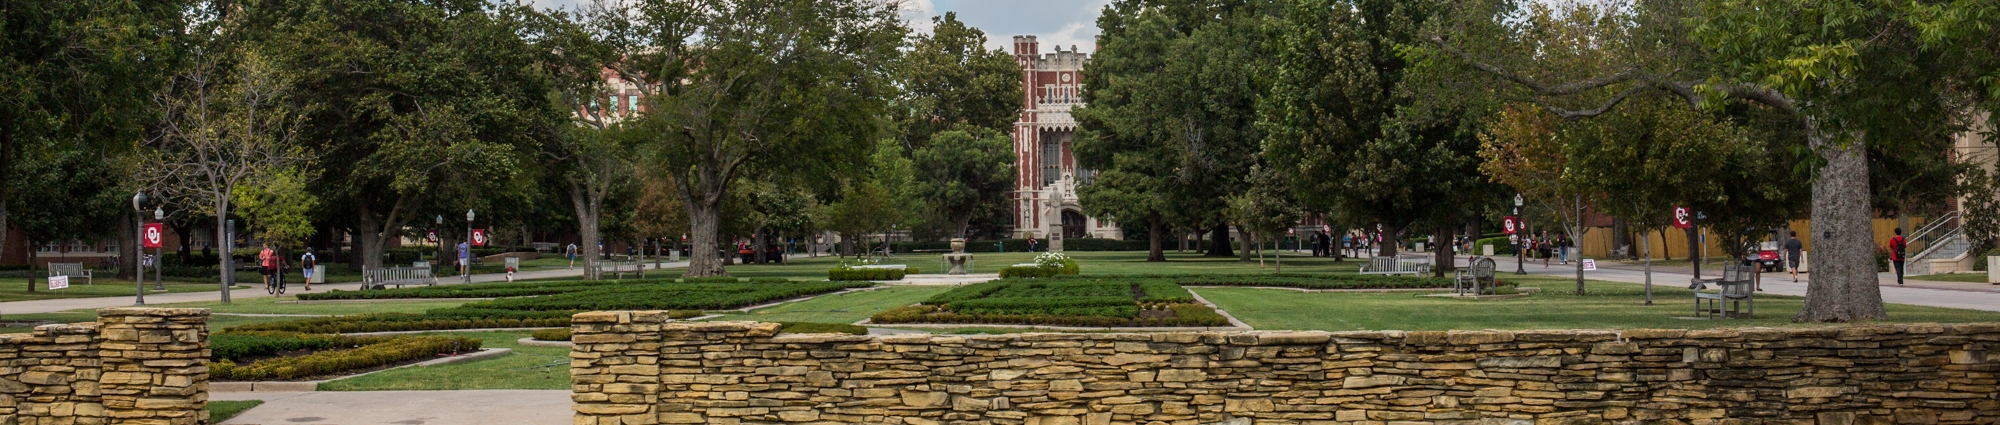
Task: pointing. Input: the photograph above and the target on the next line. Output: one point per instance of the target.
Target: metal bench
(383, 277)
(621, 267)
(1479, 276)
(1391, 266)
(73, 270)
(1735, 289)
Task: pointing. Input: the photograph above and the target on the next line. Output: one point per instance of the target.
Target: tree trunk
(31, 265)
(1390, 236)
(226, 262)
(757, 242)
(1218, 242)
(1666, 252)
(1647, 245)
(1444, 256)
(1156, 229)
(1844, 286)
(127, 248)
(588, 205)
(1244, 238)
(369, 237)
(703, 222)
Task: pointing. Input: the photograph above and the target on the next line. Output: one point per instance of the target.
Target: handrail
(1929, 235)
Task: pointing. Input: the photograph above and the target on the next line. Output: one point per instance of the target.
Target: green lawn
(1607, 305)
(527, 368)
(219, 411)
(841, 308)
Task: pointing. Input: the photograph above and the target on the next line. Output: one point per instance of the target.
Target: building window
(631, 103)
(1051, 160)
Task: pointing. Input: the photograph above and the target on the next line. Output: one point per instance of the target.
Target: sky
(1052, 22)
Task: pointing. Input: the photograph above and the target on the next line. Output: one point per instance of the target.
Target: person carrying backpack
(1896, 246)
(306, 264)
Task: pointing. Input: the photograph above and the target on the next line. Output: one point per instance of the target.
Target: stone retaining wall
(635, 368)
(132, 366)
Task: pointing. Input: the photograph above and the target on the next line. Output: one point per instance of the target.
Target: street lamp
(439, 242)
(466, 265)
(159, 215)
(1520, 244)
(139, 269)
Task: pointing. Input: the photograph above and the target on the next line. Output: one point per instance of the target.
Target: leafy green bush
(239, 346)
(1021, 245)
(331, 362)
(1500, 246)
(1063, 301)
(551, 335)
(1017, 272)
(820, 328)
(1335, 281)
(844, 273)
(1059, 306)
(682, 296)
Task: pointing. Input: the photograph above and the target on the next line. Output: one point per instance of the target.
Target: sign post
(58, 282)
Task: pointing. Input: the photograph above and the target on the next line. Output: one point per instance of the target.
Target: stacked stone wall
(132, 366)
(635, 368)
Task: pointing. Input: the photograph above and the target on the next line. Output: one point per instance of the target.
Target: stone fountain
(957, 258)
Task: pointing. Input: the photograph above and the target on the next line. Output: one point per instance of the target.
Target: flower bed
(1097, 302)
(1050, 264)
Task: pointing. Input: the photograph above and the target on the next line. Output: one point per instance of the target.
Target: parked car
(1766, 257)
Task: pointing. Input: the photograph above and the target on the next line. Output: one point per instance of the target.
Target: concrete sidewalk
(483, 407)
(1914, 292)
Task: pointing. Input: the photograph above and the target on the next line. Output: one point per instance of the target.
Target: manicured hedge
(340, 361)
(1021, 245)
(239, 346)
(1065, 301)
(678, 296)
(551, 335)
(396, 322)
(840, 274)
(820, 328)
(1332, 281)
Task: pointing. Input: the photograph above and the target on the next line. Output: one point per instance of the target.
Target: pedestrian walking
(306, 264)
(464, 258)
(1793, 251)
(267, 262)
(1896, 245)
(572, 255)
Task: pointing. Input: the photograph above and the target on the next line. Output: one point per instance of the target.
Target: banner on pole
(1510, 224)
(154, 234)
(1682, 218)
(478, 237)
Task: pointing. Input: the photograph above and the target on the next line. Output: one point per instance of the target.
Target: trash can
(319, 274)
(1486, 250)
(1993, 270)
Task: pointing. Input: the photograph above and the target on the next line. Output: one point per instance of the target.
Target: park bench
(1479, 276)
(1735, 289)
(621, 267)
(1399, 265)
(73, 270)
(383, 277)
(544, 246)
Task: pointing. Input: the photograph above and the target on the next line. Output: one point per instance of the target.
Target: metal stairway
(1941, 239)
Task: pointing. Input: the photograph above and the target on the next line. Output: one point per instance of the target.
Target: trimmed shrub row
(820, 328)
(396, 322)
(550, 335)
(841, 274)
(683, 296)
(331, 362)
(1184, 315)
(1021, 245)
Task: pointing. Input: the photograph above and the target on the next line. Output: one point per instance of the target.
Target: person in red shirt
(1896, 245)
(269, 260)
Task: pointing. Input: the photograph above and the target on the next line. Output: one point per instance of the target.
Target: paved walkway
(1966, 295)
(483, 407)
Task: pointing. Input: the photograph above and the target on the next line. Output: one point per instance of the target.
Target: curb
(313, 386)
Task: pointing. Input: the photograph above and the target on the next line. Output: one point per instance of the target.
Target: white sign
(1589, 264)
(58, 282)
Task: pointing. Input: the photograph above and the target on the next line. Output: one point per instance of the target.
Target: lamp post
(439, 228)
(159, 215)
(467, 265)
(139, 269)
(1520, 246)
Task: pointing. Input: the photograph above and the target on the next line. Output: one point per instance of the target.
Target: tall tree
(595, 159)
(63, 192)
(226, 124)
(962, 171)
(79, 72)
(1170, 113)
(1850, 74)
(778, 85)
(416, 107)
(1267, 210)
(950, 79)
(1362, 133)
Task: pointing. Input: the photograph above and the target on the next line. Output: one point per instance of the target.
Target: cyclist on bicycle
(269, 260)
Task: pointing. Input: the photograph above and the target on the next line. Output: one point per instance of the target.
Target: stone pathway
(481, 407)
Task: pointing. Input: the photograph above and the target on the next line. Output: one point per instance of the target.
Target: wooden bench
(1479, 276)
(1392, 266)
(383, 277)
(1735, 289)
(73, 270)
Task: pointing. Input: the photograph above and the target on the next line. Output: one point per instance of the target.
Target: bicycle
(274, 284)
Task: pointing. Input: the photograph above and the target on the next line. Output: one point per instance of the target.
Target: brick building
(1045, 201)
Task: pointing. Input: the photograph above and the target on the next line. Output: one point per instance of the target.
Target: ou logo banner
(153, 235)
(1681, 218)
(1510, 224)
(478, 237)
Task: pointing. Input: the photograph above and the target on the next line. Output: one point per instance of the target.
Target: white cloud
(918, 14)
